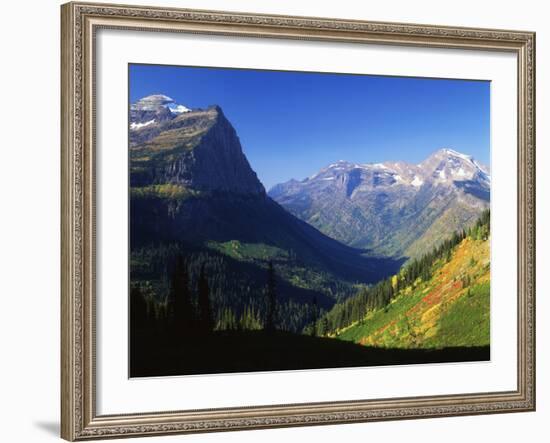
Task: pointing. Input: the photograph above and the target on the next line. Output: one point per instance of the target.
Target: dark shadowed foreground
(252, 351)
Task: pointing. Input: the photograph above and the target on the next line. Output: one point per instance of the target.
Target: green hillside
(447, 305)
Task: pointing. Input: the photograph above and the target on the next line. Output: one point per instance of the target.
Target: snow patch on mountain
(398, 178)
(177, 109)
(135, 126)
(460, 172)
(458, 154)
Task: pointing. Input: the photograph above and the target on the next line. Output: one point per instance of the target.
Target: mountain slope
(196, 150)
(451, 308)
(194, 193)
(393, 208)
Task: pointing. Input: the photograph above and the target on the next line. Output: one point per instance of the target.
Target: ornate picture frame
(79, 417)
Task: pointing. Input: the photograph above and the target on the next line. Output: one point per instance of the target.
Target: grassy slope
(439, 313)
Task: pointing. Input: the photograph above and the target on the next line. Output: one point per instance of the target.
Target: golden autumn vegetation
(452, 308)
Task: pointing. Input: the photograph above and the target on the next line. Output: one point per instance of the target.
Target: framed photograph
(282, 221)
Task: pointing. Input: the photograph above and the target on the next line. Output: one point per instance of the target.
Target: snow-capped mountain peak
(152, 102)
(177, 109)
(158, 107)
(447, 166)
(454, 153)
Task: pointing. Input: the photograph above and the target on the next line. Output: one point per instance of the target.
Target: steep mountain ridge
(393, 208)
(196, 149)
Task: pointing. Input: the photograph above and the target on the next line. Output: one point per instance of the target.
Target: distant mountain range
(391, 208)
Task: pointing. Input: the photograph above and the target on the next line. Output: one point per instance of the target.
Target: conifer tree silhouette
(206, 324)
(271, 298)
(180, 298)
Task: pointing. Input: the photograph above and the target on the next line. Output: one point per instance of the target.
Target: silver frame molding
(79, 22)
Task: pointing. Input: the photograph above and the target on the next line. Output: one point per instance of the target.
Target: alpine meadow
(297, 220)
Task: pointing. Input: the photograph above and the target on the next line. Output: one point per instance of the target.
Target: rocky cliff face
(217, 162)
(393, 208)
(196, 149)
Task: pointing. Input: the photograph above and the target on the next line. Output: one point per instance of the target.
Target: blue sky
(291, 124)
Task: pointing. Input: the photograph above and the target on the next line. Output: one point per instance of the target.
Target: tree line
(355, 308)
(237, 289)
(189, 313)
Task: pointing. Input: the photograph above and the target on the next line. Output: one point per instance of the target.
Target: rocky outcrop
(198, 149)
(216, 163)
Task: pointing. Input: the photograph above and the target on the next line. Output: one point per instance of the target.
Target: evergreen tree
(324, 327)
(249, 320)
(138, 310)
(205, 312)
(138, 318)
(271, 298)
(314, 316)
(227, 321)
(180, 299)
